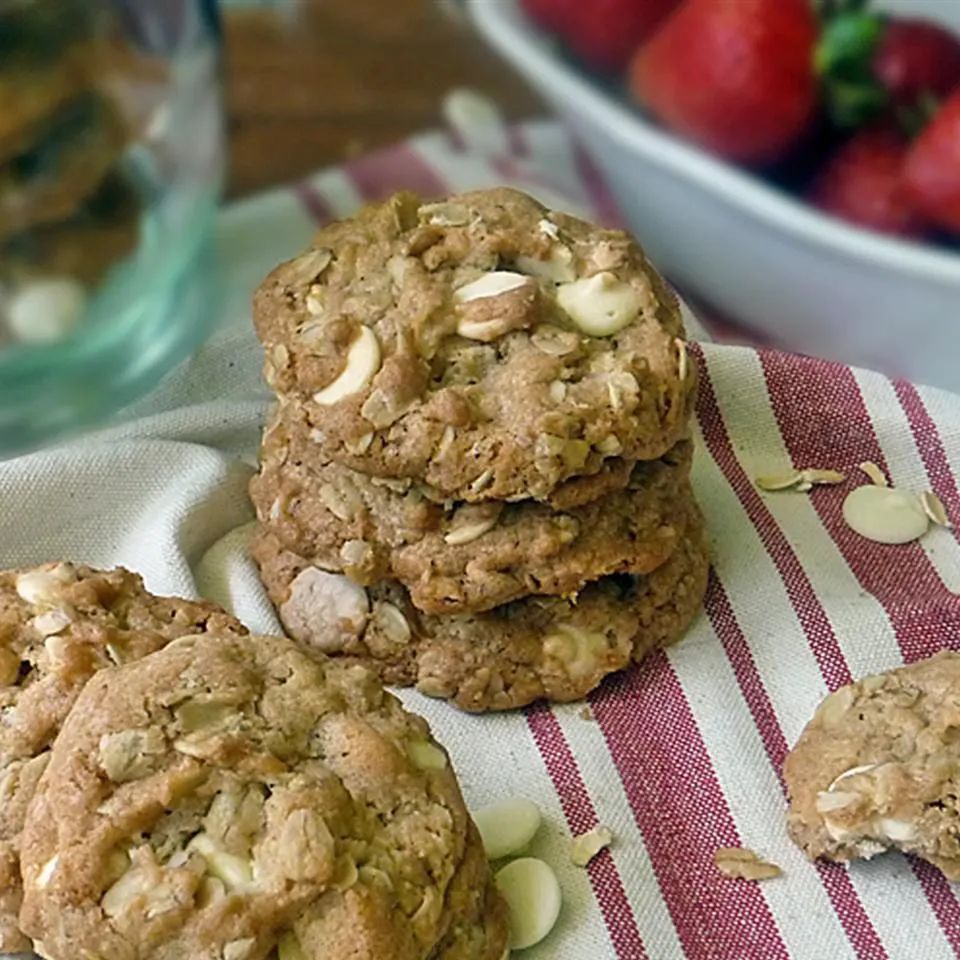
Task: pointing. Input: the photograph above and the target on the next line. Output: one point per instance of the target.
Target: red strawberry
(932, 172)
(863, 184)
(917, 59)
(734, 75)
(605, 33)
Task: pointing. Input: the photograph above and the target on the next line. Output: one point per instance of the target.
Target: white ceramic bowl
(804, 281)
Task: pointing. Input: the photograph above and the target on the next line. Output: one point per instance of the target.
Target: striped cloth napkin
(679, 756)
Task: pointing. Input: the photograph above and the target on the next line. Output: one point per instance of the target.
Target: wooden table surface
(313, 82)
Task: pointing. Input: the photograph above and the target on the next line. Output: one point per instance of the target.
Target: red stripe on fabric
(381, 174)
(581, 817)
(803, 598)
(313, 202)
(682, 814)
(596, 187)
(517, 138)
(824, 421)
(835, 879)
(816, 626)
(927, 437)
(823, 418)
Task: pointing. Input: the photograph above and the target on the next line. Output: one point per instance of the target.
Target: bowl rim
(509, 31)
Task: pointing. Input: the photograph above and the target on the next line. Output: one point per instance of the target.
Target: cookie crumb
(585, 847)
(586, 713)
(743, 864)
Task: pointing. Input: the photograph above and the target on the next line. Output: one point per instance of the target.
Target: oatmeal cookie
(465, 558)
(59, 624)
(538, 647)
(235, 798)
(878, 768)
(484, 345)
(63, 165)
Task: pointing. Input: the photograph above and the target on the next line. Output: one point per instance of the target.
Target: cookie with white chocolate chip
(463, 558)
(236, 799)
(484, 345)
(878, 768)
(60, 624)
(538, 647)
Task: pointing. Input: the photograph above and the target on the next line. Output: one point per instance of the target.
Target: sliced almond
(600, 305)
(744, 864)
(471, 522)
(775, 482)
(363, 362)
(877, 476)
(549, 228)
(533, 898)
(305, 269)
(585, 847)
(682, 360)
(933, 507)
(490, 285)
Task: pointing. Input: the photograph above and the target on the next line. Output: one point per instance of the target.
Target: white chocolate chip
(885, 515)
(324, 609)
(426, 755)
(533, 898)
(46, 311)
(363, 362)
(600, 305)
(507, 826)
(489, 285)
(585, 847)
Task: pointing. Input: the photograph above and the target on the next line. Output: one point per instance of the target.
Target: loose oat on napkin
(679, 758)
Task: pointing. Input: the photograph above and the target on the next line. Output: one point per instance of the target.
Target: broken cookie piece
(878, 768)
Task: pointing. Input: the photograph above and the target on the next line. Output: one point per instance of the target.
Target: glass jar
(111, 164)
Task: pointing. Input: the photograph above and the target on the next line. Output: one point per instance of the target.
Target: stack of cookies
(66, 212)
(477, 475)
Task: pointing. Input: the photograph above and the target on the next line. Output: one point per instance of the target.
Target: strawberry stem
(843, 59)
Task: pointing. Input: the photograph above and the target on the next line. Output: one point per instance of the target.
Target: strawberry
(932, 171)
(735, 76)
(915, 60)
(863, 183)
(604, 33)
(869, 64)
